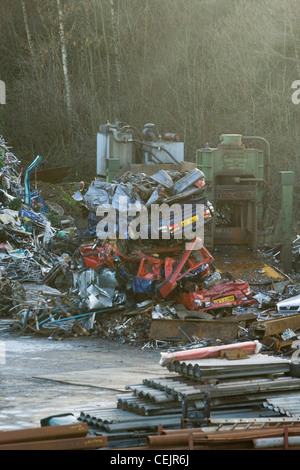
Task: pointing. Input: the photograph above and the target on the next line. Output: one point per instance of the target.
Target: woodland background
(198, 68)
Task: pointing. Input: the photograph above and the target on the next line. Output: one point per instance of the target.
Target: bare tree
(64, 57)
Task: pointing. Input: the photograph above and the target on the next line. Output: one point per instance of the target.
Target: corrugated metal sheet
(286, 404)
(251, 391)
(222, 368)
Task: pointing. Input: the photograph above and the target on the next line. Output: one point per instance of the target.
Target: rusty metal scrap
(278, 325)
(265, 436)
(44, 433)
(174, 330)
(62, 437)
(43, 314)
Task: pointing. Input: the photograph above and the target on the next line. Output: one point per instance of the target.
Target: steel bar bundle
(280, 436)
(245, 388)
(196, 370)
(118, 420)
(65, 437)
(254, 399)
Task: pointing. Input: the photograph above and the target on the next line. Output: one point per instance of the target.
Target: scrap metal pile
(143, 274)
(58, 280)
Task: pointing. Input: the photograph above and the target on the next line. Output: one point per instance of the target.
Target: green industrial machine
(238, 184)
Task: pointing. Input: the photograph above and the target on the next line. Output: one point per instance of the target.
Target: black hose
(157, 148)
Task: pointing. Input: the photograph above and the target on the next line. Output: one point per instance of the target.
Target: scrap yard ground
(41, 377)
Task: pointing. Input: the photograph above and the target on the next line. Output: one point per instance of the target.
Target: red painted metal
(230, 294)
(96, 257)
(181, 270)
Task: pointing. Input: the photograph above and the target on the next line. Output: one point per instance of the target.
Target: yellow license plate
(190, 220)
(229, 298)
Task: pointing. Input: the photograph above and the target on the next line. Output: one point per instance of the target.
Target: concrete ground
(41, 377)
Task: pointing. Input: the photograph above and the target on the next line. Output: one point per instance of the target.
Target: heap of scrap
(81, 280)
(161, 270)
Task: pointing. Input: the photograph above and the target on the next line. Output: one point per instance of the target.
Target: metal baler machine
(238, 179)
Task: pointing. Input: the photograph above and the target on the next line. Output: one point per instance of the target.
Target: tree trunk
(64, 58)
